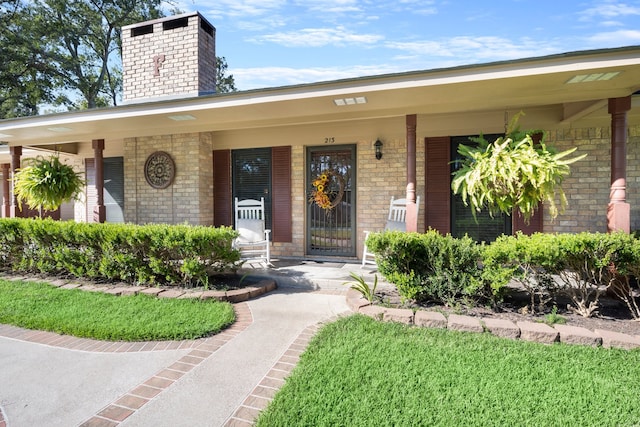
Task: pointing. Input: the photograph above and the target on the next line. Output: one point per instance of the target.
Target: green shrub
(625, 285)
(530, 261)
(582, 266)
(11, 243)
(430, 267)
(150, 254)
(590, 264)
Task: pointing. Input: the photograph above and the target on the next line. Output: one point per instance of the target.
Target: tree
(512, 172)
(68, 52)
(83, 41)
(46, 183)
(224, 83)
(26, 75)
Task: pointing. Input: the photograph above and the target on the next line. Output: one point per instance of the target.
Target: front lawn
(107, 317)
(362, 372)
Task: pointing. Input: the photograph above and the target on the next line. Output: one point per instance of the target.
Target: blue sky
(269, 43)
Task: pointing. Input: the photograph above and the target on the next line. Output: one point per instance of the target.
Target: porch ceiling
(522, 84)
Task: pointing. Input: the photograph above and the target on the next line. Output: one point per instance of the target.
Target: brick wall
(378, 180)
(190, 197)
(587, 188)
(161, 61)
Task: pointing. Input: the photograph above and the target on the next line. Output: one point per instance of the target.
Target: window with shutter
(484, 227)
(251, 172)
(113, 188)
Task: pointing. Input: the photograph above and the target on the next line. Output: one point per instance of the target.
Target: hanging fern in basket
(45, 184)
(512, 172)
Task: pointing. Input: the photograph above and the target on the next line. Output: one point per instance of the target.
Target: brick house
(176, 152)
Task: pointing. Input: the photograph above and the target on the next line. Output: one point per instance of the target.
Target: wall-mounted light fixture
(378, 146)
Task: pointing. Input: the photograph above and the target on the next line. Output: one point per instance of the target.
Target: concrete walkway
(210, 393)
(223, 380)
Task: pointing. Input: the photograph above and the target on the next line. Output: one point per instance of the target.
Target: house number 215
(330, 140)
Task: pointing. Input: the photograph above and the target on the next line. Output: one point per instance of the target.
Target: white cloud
(616, 38)
(318, 37)
(244, 8)
(331, 6)
(473, 49)
(609, 10)
(262, 24)
(254, 78)
(611, 24)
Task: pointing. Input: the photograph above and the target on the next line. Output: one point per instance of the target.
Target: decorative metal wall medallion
(159, 170)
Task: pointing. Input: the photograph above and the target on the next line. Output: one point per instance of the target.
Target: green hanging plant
(45, 184)
(512, 172)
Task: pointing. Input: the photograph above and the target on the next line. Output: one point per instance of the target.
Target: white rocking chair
(396, 221)
(253, 241)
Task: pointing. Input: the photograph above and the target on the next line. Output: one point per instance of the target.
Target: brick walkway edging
(264, 392)
(126, 405)
(86, 344)
(524, 330)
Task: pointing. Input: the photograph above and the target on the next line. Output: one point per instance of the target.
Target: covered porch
(584, 99)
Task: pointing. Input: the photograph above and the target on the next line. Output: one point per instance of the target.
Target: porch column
(6, 206)
(619, 211)
(99, 211)
(16, 152)
(412, 214)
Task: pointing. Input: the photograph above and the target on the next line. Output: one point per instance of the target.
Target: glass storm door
(331, 209)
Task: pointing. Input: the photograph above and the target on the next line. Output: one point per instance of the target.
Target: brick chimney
(172, 57)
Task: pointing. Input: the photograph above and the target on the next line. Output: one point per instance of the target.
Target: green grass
(107, 317)
(361, 372)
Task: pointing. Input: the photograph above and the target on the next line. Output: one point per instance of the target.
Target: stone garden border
(523, 330)
(233, 296)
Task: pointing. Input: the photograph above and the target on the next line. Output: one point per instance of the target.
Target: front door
(331, 208)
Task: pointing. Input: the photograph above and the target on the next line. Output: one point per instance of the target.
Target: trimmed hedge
(149, 254)
(431, 267)
(581, 266)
